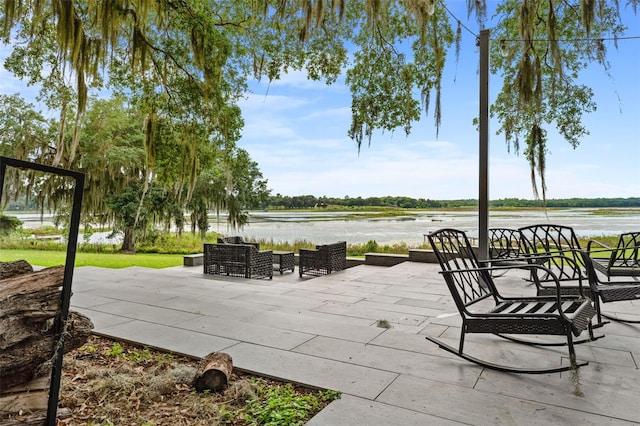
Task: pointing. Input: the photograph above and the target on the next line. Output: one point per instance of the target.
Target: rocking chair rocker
(560, 315)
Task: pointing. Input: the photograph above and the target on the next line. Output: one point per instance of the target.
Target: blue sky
(296, 130)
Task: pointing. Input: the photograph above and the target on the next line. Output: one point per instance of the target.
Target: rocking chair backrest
(627, 253)
(558, 240)
(454, 253)
(504, 243)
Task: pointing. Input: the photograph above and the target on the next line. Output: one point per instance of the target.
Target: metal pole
(483, 180)
(74, 225)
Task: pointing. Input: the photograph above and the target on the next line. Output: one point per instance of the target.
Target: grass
(104, 260)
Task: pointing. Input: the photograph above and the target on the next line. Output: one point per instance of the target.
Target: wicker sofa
(325, 259)
(238, 260)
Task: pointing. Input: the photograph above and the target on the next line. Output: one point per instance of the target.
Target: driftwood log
(213, 372)
(30, 306)
(16, 267)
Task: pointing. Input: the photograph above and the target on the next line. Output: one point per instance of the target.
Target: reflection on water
(326, 227)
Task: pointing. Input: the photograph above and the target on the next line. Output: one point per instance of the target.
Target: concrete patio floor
(324, 332)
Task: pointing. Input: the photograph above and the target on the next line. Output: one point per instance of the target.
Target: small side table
(283, 261)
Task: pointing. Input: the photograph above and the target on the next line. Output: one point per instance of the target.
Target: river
(325, 227)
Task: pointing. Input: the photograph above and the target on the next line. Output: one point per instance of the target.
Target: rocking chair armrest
(528, 266)
(600, 245)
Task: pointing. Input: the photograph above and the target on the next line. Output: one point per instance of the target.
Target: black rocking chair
(610, 291)
(469, 284)
(623, 260)
(556, 247)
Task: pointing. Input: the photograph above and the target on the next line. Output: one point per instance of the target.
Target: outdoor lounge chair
(237, 260)
(504, 245)
(557, 248)
(325, 259)
(472, 289)
(620, 261)
(610, 291)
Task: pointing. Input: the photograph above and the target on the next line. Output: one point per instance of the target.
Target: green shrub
(9, 224)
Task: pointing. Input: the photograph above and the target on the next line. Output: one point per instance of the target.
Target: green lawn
(103, 260)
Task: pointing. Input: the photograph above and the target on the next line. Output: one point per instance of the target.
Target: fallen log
(31, 358)
(13, 268)
(30, 305)
(28, 397)
(213, 372)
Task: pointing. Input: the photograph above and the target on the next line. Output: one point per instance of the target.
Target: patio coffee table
(283, 261)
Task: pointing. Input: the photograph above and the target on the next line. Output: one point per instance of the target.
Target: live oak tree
(188, 60)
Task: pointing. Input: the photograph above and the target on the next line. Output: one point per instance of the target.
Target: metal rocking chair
(556, 247)
(610, 291)
(470, 284)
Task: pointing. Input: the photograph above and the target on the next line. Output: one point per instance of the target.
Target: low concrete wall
(354, 261)
(193, 259)
(384, 259)
(422, 255)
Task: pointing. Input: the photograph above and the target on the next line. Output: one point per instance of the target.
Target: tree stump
(11, 269)
(213, 372)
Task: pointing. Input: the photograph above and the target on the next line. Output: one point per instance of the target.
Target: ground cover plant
(114, 383)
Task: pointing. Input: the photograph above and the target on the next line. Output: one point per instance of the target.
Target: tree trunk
(129, 241)
(213, 372)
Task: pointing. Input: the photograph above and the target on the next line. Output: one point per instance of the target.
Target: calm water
(318, 228)
(324, 227)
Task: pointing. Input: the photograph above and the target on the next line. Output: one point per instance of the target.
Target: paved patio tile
(214, 307)
(88, 299)
(280, 300)
(171, 338)
(358, 311)
(246, 332)
(394, 360)
(325, 297)
(345, 321)
(101, 320)
(354, 411)
(316, 326)
(479, 407)
(143, 312)
(603, 390)
(400, 308)
(352, 379)
(207, 287)
(408, 342)
(382, 299)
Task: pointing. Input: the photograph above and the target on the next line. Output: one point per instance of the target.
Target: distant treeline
(310, 201)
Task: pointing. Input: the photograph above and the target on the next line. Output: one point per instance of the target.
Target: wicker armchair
(484, 310)
(324, 260)
(238, 260)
